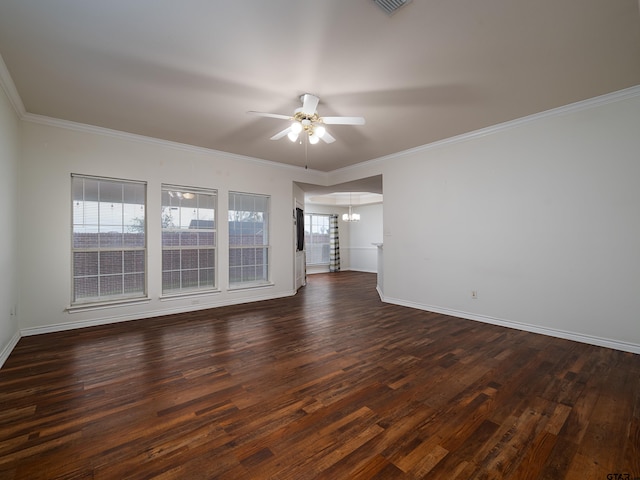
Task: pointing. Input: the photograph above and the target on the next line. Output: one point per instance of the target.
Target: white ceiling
(189, 71)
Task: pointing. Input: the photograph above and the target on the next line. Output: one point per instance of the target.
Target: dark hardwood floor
(328, 384)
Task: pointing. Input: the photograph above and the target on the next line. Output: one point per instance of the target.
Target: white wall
(9, 155)
(49, 157)
(364, 255)
(540, 217)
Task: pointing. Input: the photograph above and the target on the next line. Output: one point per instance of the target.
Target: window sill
(249, 286)
(193, 293)
(83, 307)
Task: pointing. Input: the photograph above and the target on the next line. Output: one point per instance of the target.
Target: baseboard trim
(95, 322)
(551, 332)
(363, 270)
(6, 351)
(577, 337)
(311, 271)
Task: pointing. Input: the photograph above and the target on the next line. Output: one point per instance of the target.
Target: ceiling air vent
(390, 6)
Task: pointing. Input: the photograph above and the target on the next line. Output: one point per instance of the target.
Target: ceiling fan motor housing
(306, 118)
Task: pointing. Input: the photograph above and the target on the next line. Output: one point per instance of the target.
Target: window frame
(137, 251)
(179, 191)
(243, 250)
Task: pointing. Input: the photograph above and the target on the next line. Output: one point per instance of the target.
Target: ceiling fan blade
(272, 115)
(327, 138)
(309, 103)
(343, 120)
(281, 134)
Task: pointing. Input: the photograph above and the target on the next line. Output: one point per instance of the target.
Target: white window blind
(108, 239)
(248, 239)
(188, 239)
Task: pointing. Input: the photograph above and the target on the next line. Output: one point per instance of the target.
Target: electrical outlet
(474, 294)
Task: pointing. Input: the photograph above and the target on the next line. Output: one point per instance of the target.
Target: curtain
(299, 229)
(334, 244)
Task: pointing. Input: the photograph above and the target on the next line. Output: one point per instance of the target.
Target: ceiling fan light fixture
(307, 121)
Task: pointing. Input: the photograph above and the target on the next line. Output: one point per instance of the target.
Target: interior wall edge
(8, 348)
(6, 84)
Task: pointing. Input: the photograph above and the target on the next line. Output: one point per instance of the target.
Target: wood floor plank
(328, 384)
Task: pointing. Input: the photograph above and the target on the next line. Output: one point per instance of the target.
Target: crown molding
(594, 102)
(6, 82)
(85, 128)
(9, 87)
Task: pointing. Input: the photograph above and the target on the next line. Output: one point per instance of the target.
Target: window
(188, 239)
(248, 239)
(108, 239)
(316, 238)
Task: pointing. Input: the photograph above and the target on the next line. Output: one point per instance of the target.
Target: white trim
(60, 327)
(108, 179)
(551, 332)
(83, 307)
(83, 127)
(239, 287)
(6, 351)
(6, 82)
(189, 294)
(605, 99)
(342, 269)
(187, 189)
(598, 341)
(317, 268)
(351, 269)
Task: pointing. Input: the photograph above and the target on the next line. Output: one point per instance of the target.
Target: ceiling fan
(306, 119)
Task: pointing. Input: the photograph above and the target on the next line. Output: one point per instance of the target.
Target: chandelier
(350, 217)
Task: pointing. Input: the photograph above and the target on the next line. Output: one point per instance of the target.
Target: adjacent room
(293, 239)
